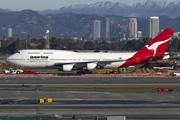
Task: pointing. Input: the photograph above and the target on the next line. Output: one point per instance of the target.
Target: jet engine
(91, 66)
(68, 68)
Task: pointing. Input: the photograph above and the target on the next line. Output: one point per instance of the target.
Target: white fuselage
(48, 58)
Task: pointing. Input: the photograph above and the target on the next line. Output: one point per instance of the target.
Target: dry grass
(88, 89)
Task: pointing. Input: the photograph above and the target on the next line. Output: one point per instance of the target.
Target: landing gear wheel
(18, 72)
(79, 72)
(84, 72)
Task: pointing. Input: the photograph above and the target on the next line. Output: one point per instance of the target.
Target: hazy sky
(55, 4)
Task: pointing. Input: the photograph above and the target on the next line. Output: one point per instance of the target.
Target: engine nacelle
(91, 66)
(67, 68)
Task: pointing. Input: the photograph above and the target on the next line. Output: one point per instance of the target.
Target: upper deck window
(48, 53)
(33, 52)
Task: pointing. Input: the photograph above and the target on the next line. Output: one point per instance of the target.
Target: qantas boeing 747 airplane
(85, 62)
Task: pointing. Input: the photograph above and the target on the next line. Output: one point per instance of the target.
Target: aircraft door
(49, 61)
(24, 58)
(78, 59)
(103, 58)
(41, 59)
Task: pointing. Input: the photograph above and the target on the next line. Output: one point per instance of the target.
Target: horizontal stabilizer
(157, 56)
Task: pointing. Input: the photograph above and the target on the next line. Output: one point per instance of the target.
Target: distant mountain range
(28, 22)
(4, 10)
(145, 8)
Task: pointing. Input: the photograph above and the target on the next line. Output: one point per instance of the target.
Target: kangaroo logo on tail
(155, 45)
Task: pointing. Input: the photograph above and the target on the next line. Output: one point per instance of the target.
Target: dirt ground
(126, 119)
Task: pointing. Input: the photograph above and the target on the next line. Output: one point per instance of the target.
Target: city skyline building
(139, 34)
(106, 28)
(143, 25)
(176, 34)
(96, 29)
(153, 27)
(9, 32)
(133, 28)
(46, 37)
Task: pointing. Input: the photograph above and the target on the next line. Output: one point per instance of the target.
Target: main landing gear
(84, 72)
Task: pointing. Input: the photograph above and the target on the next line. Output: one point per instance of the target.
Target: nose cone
(9, 60)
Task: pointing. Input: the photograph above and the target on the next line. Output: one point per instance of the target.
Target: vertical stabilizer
(158, 45)
(153, 51)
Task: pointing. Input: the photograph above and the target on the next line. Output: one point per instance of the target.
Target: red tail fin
(153, 51)
(158, 45)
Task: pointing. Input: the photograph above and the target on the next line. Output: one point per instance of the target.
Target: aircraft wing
(110, 61)
(106, 61)
(85, 63)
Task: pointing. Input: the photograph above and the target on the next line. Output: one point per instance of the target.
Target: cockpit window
(18, 52)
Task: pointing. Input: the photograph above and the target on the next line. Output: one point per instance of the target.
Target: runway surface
(163, 105)
(93, 82)
(85, 109)
(130, 104)
(74, 95)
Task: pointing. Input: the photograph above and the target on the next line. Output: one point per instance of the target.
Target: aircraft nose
(7, 60)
